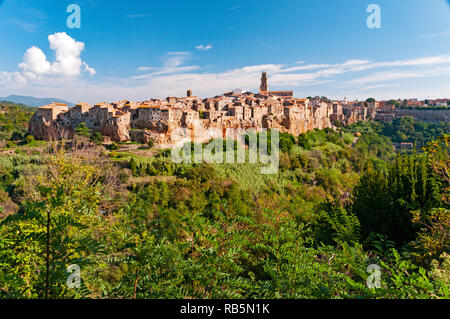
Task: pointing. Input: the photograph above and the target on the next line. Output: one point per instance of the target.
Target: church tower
(264, 83)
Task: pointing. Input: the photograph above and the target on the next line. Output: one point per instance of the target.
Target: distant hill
(33, 101)
(11, 103)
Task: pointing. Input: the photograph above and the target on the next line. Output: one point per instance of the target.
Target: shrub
(29, 139)
(133, 166)
(97, 138)
(16, 136)
(113, 147)
(286, 144)
(303, 141)
(10, 144)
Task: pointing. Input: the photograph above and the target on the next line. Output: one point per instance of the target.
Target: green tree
(83, 130)
(133, 166)
(304, 141)
(336, 225)
(383, 201)
(50, 233)
(286, 142)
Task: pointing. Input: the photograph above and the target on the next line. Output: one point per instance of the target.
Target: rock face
(43, 124)
(161, 120)
(142, 136)
(56, 121)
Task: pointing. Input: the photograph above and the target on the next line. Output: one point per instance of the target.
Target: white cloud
(234, 7)
(172, 62)
(67, 64)
(306, 67)
(425, 61)
(174, 77)
(436, 34)
(202, 47)
(88, 69)
(355, 62)
(35, 62)
(383, 77)
(12, 77)
(135, 16)
(67, 53)
(175, 74)
(145, 68)
(396, 75)
(175, 59)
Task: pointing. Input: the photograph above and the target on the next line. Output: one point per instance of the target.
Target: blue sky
(139, 49)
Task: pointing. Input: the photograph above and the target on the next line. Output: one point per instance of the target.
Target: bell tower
(264, 83)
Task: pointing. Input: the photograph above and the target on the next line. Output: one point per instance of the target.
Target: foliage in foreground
(310, 232)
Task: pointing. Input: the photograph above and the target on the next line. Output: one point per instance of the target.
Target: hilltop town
(155, 119)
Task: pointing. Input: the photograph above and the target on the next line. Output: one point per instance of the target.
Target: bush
(29, 139)
(133, 166)
(16, 136)
(113, 154)
(286, 144)
(10, 144)
(113, 147)
(303, 141)
(97, 138)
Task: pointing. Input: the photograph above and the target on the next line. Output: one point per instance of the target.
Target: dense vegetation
(405, 129)
(144, 227)
(14, 119)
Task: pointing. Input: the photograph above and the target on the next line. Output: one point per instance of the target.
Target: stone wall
(424, 115)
